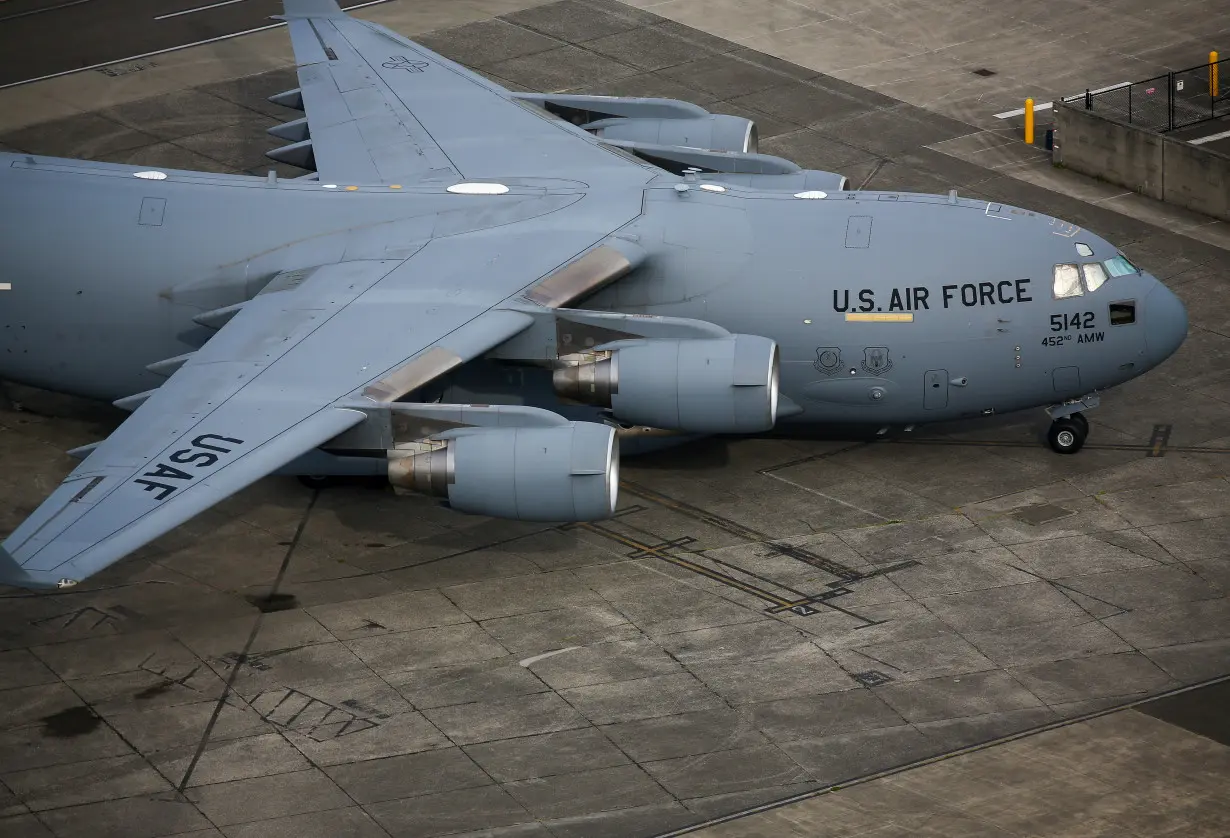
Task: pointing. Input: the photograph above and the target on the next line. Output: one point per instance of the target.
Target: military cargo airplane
(480, 293)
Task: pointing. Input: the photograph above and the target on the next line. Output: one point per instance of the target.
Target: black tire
(1067, 435)
(1084, 423)
(318, 481)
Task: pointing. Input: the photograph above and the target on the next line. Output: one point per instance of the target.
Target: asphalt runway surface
(41, 38)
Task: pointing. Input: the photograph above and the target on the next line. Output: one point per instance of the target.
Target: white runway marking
(1210, 138)
(6, 286)
(198, 9)
(16, 15)
(823, 495)
(1048, 105)
(1045, 106)
(526, 663)
(171, 49)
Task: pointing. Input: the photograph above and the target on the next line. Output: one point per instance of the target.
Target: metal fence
(1166, 103)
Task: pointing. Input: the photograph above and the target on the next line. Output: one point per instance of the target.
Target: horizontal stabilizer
(296, 154)
(292, 99)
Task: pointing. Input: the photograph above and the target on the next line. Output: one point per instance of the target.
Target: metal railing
(1167, 103)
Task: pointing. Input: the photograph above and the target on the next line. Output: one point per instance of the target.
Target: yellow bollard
(1213, 72)
(1029, 121)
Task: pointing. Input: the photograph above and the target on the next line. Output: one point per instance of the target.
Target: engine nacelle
(709, 386)
(563, 473)
(808, 180)
(714, 132)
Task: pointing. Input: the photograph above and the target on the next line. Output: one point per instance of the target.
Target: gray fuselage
(109, 270)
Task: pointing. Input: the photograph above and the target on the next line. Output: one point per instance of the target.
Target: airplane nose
(1165, 323)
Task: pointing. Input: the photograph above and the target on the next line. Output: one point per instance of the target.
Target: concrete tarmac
(1120, 774)
(764, 617)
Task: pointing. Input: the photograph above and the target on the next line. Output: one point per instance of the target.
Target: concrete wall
(1152, 164)
(1096, 145)
(1196, 178)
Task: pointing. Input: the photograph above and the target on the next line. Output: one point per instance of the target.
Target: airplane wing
(382, 109)
(278, 380)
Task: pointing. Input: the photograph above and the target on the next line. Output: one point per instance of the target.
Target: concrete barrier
(1135, 158)
(1094, 144)
(1197, 178)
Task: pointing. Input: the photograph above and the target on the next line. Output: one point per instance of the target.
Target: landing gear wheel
(1067, 435)
(1084, 423)
(318, 481)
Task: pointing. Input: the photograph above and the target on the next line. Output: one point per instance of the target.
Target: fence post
(1088, 100)
(1130, 103)
(1170, 101)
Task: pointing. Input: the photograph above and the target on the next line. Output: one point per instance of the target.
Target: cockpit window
(1123, 313)
(1067, 282)
(1094, 275)
(1120, 266)
(1084, 249)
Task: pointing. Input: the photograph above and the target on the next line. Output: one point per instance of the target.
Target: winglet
(298, 9)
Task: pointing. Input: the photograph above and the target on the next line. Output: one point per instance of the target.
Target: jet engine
(566, 472)
(713, 132)
(720, 385)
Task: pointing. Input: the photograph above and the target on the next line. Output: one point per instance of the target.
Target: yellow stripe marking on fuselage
(879, 317)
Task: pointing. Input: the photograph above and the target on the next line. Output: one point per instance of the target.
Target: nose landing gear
(1067, 435)
(1069, 427)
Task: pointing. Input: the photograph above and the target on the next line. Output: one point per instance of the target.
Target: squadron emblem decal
(876, 360)
(828, 359)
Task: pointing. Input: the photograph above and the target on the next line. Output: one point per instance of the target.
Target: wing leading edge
(383, 109)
